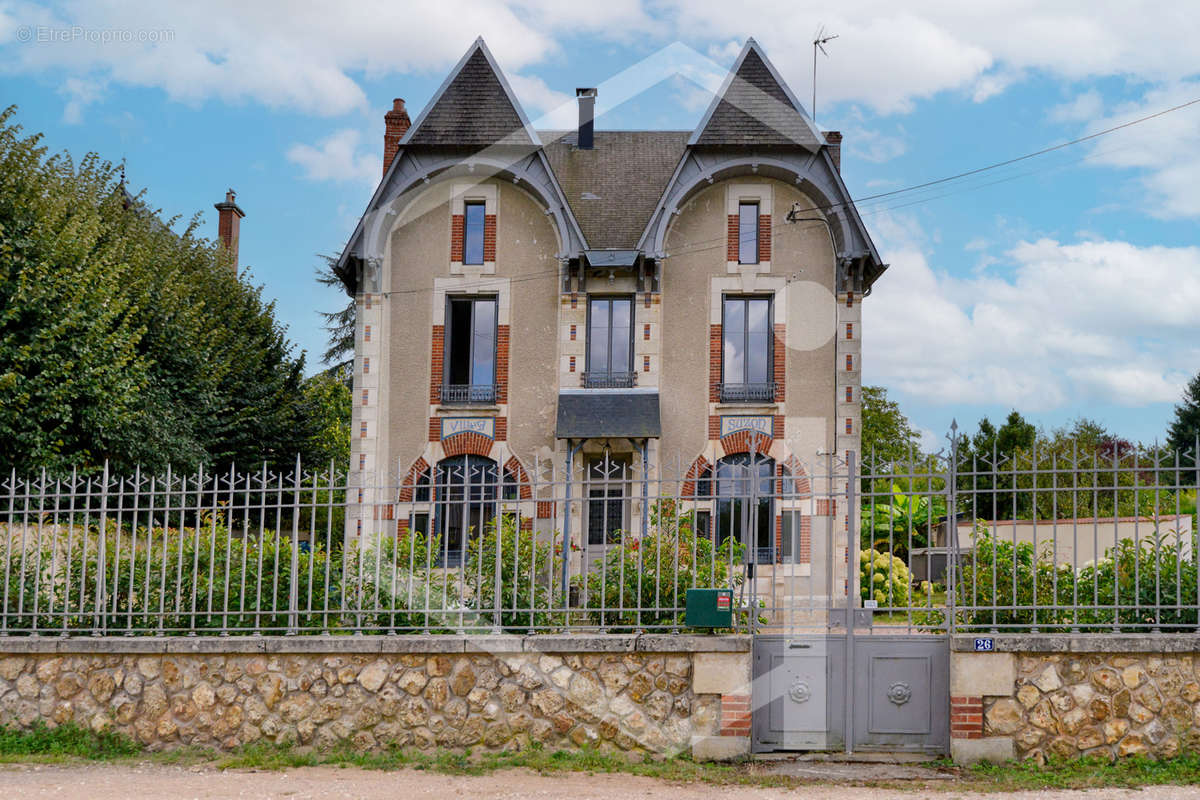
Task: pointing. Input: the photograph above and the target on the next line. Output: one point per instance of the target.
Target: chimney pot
(229, 225)
(587, 118)
(833, 140)
(395, 124)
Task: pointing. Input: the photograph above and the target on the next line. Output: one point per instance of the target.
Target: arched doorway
(743, 485)
(467, 495)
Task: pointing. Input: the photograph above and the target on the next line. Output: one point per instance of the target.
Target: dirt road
(151, 781)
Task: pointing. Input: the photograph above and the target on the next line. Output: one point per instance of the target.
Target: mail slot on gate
(709, 608)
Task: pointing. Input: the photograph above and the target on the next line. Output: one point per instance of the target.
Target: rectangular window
(610, 343)
(746, 367)
(419, 522)
(473, 213)
(790, 545)
(470, 371)
(748, 233)
(704, 524)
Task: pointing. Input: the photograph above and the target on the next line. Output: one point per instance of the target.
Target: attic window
(748, 233)
(473, 232)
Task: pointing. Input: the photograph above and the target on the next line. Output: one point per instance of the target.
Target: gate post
(952, 522)
(852, 592)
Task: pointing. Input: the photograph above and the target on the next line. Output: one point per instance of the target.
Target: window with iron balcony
(470, 362)
(746, 350)
(610, 344)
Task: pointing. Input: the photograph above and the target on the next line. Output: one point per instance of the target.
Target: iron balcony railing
(609, 380)
(747, 392)
(461, 393)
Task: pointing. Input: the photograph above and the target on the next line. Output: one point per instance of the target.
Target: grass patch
(62, 743)
(72, 743)
(1088, 773)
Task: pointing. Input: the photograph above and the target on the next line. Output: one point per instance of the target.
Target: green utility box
(709, 608)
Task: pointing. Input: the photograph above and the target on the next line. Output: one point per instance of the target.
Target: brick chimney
(396, 124)
(229, 225)
(833, 139)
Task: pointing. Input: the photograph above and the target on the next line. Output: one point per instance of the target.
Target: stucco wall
(525, 252)
(526, 266)
(801, 255)
(660, 695)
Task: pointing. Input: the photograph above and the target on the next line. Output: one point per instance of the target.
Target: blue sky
(1064, 286)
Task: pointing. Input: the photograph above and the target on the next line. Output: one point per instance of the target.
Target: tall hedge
(124, 339)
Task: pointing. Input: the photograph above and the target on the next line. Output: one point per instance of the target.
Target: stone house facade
(635, 305)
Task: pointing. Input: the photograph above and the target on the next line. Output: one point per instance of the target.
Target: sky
(1064, 286)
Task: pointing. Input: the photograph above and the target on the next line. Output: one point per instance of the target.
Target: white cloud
(1083, 108)
(874, 146)
(338, 157)
(305, 57)
(1101, 321)
(558, 108)
(80, 93)
(1167, 148)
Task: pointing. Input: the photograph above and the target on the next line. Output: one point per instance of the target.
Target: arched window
(467, 491)
(745, 507)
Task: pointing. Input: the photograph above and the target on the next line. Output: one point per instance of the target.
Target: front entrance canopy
(608, 413)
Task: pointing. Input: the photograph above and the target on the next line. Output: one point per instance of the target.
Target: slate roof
(614, 188)
(474, 110)
(755, 109)
(603, 413)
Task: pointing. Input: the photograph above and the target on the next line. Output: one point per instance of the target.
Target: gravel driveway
(149, 782)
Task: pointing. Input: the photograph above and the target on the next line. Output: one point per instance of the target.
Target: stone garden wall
(1053, 697)
(647, 694)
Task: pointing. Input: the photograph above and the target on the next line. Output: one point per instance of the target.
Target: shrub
(999, 586)
(884, 578)
(654, 572)
(391, 585)
(1122, 590)
(508, 577)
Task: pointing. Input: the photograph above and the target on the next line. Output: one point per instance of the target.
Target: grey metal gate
(830, 674)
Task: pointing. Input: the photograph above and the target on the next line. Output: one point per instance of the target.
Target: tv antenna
(819, 43)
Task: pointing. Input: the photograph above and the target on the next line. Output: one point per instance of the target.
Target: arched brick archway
(698, 468)
(420, 467)
(468, 443)
(515, 473)
(747, 441)
(801, 483)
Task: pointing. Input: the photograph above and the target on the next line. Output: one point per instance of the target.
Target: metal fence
(1058, 539)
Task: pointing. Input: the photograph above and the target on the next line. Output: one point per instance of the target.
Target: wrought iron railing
(747, 392)
(456, 393)
(609, 380)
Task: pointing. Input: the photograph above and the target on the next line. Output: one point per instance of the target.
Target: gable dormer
(755, 107)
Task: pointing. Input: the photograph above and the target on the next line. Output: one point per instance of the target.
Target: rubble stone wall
(494, 693)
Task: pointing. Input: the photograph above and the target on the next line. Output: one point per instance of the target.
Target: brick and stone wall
(649, 694)
(1085, 696)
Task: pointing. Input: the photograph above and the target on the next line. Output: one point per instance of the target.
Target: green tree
(339, 354)
(124, 340)
(1185, 428)
(887, 435)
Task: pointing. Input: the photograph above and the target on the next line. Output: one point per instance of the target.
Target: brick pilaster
(966, 717)
(437, 363)
(457, 225)
(714, 363)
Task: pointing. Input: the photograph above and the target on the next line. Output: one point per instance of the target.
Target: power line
(1018, 159)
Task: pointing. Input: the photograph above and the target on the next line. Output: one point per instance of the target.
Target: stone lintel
(982, 674)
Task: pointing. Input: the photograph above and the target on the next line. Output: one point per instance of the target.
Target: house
(624, 313)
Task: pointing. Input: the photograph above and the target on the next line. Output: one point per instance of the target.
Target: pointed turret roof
(756, 107)
(474, 107)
